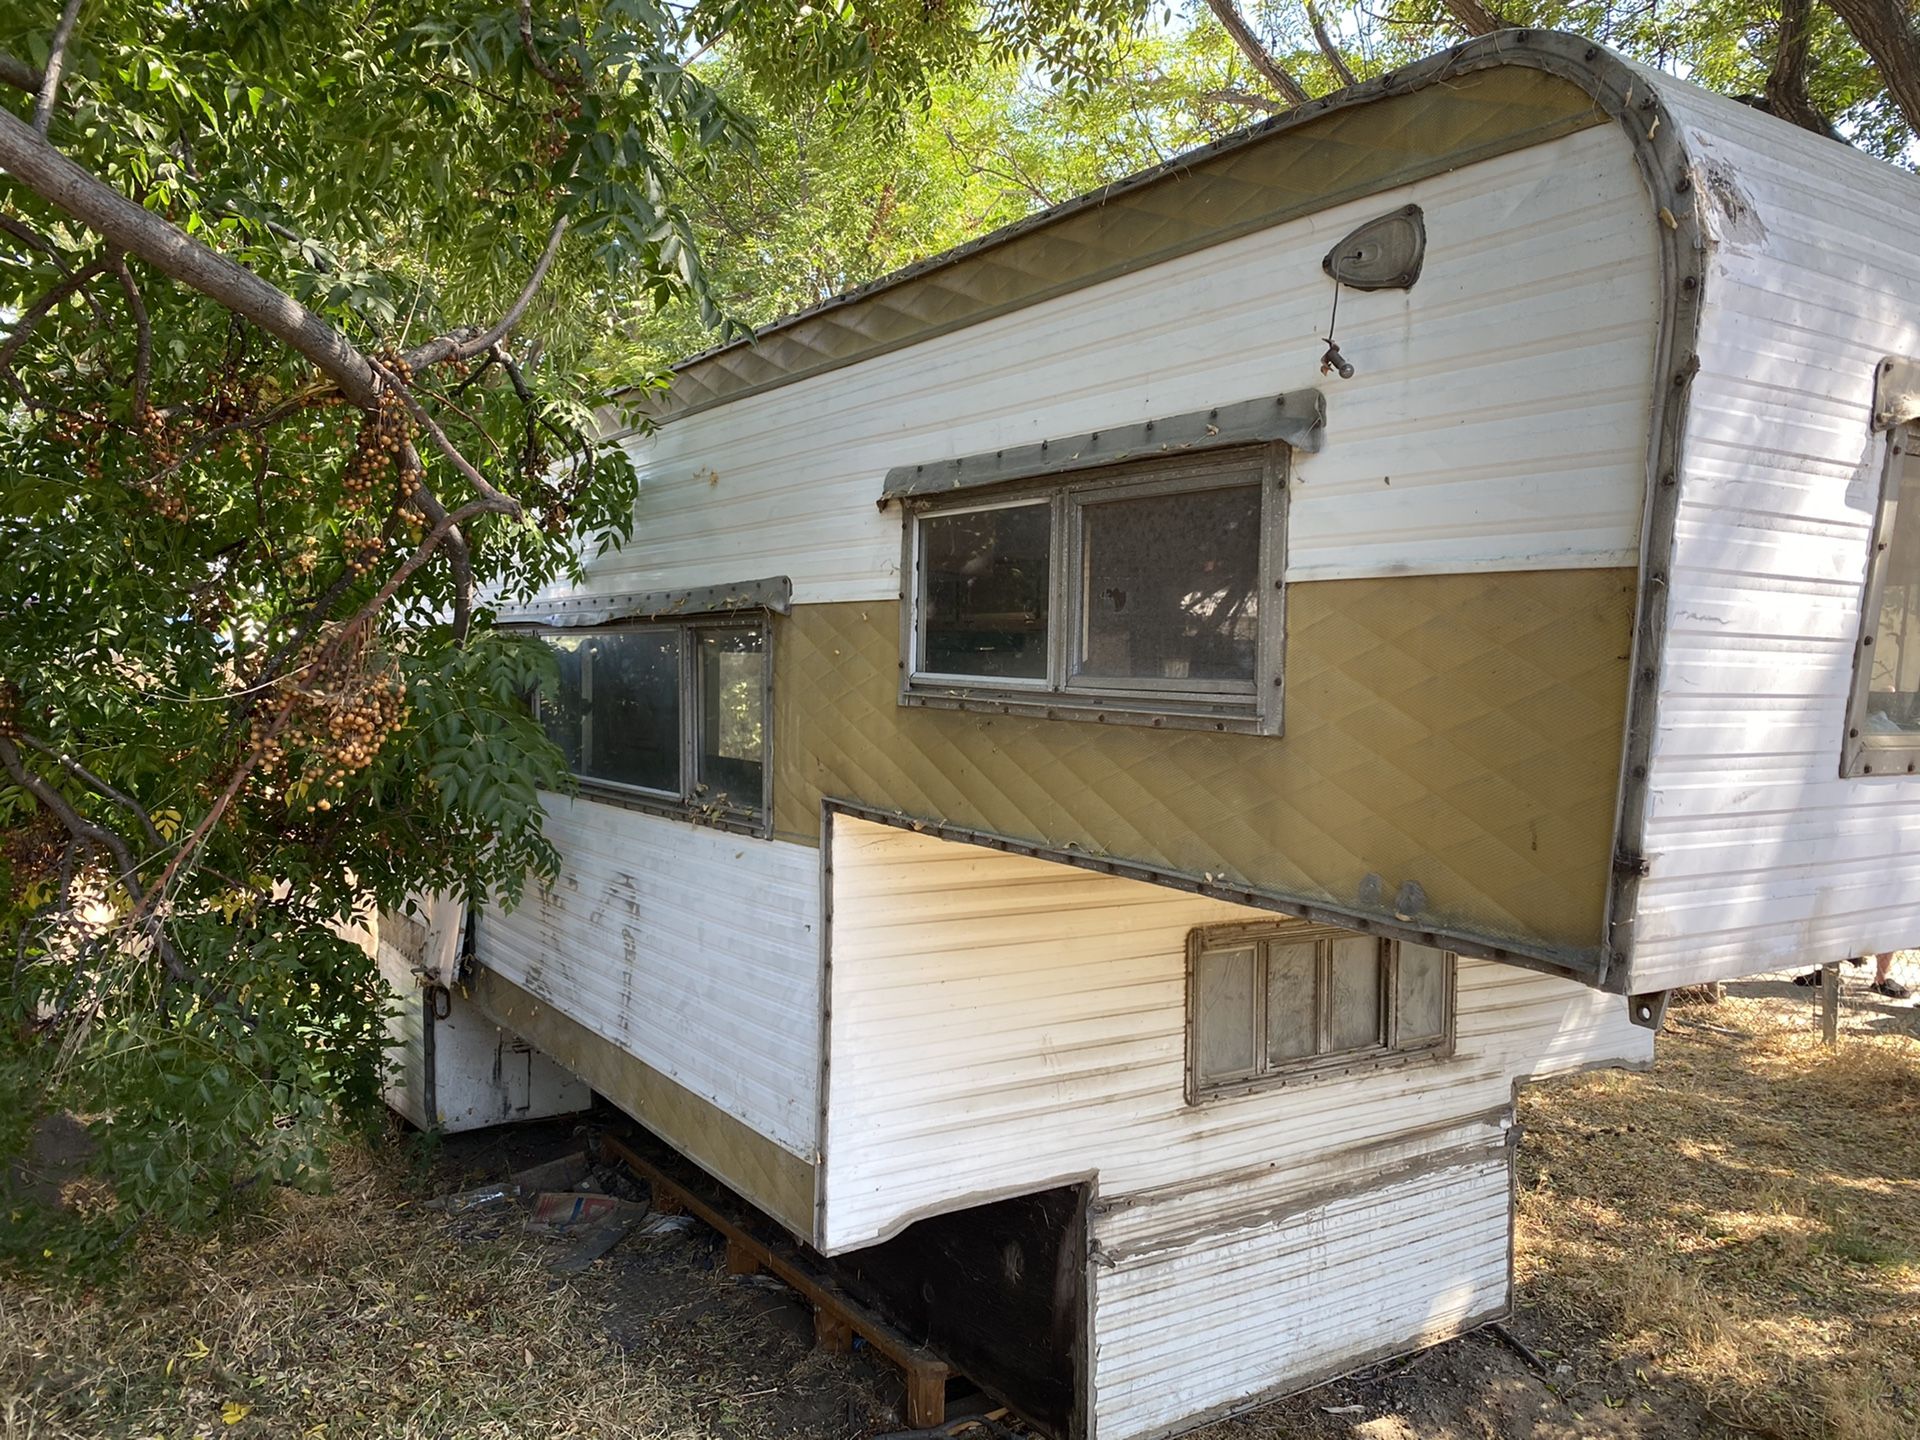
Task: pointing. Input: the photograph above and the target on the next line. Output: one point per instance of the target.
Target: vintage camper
(1126, 742)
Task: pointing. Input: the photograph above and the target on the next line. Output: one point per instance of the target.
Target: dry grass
(1743, 1221)
(1747, 1214)
(348, 1315)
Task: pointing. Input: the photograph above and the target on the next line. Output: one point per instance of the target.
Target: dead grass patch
(1747, 1213)
(339, 1317)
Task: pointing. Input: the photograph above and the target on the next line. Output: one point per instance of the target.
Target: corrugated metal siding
(1216, 1325)
(1761, 854)
(1000, 1023)
(1497, 419)
(694, 949)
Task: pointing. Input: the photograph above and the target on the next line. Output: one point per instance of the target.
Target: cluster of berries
(339, 714)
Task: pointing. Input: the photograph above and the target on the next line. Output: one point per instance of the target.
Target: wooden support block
(926, 1395)
(832, 1332)
(742, 1258)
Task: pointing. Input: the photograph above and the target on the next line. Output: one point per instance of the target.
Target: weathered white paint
(1497, 419)
(695, 949)
(482, 1074)
(1000, 1023)
(1761, 854)
(1219, 1323)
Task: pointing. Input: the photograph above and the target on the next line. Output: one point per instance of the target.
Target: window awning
(774, 593)
(1298, 418)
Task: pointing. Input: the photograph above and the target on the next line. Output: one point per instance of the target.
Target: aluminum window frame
(1387, 1054)
(1863, 753)
(685, 803)
(1255, 707)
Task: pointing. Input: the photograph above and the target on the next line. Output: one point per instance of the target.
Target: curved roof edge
(1486, 97)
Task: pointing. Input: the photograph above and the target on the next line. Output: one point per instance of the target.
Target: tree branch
(1229, 95)
(501, 502)
(449, 347)
(1324, 40)
(93, 782)
(81, 828)
(545, 71)
(34, 240)
(1242, 35)
(56, 63)
(1885, 30)
(1474, 17)
(1787, 82)
(143, 338)
(18, 73)
(41, 308)
(29, 159)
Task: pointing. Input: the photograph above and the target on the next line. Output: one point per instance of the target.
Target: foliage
(256, 519)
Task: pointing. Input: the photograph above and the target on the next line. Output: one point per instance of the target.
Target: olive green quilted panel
(1459, 731)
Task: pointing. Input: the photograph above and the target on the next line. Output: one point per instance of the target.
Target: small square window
(1273, 1002)
(1144, 592)
(667, 716)
(986, 592)
(1171, 588)
(1883, 716)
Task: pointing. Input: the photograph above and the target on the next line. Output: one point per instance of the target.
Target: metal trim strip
(774, 593)
(1298, 418)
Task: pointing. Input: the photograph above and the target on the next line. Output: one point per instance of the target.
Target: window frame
(1864, 753)
(1196, 704)
(1322, 1065)
(685, 803)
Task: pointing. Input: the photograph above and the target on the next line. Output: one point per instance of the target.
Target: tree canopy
(304, 319)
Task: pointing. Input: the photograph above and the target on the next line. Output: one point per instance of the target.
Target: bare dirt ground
(1727, 1245)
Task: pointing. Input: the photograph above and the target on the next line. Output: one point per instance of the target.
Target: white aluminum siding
(1761, 855)
(694, 949)
(1497, 419)
(1202, 1329)
(1001, 1023)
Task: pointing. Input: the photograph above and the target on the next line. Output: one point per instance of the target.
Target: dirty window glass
(630, 715)
(1421, 991)
(561, 705)
(984, 592)
(1893, 659)
(1224, 1015)
(622, 699)
(1269, 1002)
(1170, 587)
(1353, 1012)
(1292, 977)
(732, 718)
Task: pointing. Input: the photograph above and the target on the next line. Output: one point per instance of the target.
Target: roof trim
(1504, 92)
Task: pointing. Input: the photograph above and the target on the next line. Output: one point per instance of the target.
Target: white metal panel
(1497, 420)
(482, 1074)
(1761, 855)
(692, 948)
(1000, 1023)
(1215, 1326)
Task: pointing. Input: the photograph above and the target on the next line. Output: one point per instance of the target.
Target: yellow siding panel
(1459, 731)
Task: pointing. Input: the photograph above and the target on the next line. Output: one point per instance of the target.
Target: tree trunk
(1242, 35)
(1474, 17)
(1787, 84)
(1885, 31)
